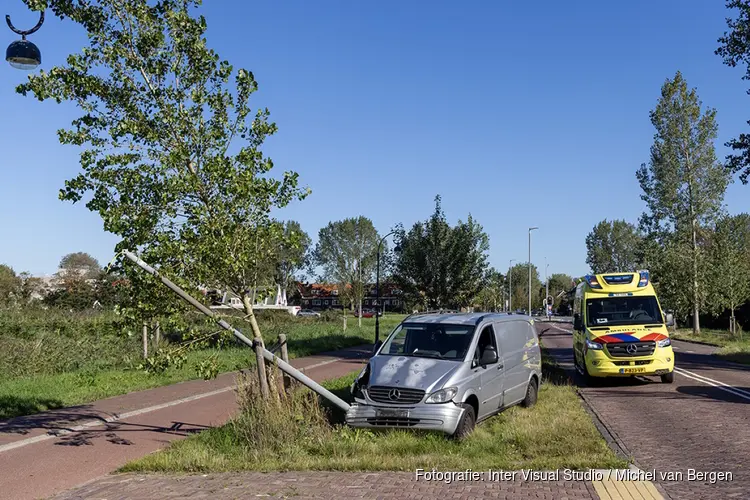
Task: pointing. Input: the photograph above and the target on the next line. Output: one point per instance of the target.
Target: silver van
(446, 372)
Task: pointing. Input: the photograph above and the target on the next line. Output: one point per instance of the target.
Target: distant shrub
(330, 315)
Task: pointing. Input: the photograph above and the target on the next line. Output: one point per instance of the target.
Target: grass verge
(37, 392)
(731, 348)
(556, 433)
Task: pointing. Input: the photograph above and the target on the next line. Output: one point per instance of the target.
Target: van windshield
(612, 311)
(440, 341)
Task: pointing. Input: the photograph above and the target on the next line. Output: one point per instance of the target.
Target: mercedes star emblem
(394, 395)
(632, 349)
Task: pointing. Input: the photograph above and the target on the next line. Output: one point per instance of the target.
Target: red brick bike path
(47, 453)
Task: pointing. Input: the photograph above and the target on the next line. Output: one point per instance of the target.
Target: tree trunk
(265, 377)
(344, 311)
(145, 340)
(696, 308)
(157, 335)
(250, 316)
(359, 314)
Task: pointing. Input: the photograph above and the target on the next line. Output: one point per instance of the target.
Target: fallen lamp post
(268, 355)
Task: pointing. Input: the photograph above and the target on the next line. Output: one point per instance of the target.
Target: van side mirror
(489, 356)
(377, 346)
(577, 323)
(669, 320)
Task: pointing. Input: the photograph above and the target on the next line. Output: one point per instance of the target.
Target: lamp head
(22, 54)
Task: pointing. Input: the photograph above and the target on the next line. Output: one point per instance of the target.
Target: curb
(611, 438)
(699, 342)
(614, 442)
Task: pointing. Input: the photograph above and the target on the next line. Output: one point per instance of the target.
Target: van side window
(486, 339)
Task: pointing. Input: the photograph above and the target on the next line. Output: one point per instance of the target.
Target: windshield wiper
(427, 354)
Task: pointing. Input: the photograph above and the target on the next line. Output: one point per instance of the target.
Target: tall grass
(44, 342)
(732, 347)
(279, 425)
(52, 358)
(301, 434)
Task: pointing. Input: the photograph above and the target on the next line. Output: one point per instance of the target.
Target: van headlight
(590, 344)
(362, 380)
(442, 396)
(664, 343)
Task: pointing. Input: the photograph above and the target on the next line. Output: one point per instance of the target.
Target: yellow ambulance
(619, 328)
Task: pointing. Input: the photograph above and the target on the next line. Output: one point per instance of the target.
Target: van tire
(466, 424)
(667, 378)
(532, 392)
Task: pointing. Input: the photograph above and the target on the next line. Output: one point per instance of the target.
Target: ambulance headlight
(590, 344)
(664, 343)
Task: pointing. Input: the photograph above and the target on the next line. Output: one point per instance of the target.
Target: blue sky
(520, 113)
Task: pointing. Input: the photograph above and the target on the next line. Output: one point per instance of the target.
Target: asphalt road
(700, 422)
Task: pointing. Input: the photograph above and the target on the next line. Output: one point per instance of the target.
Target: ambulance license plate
(632, 370)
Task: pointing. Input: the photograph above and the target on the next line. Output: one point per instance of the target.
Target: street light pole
(510, 285)
(546, 288)
(530, 229)
(377, 290)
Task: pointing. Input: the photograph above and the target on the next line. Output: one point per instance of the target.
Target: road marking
(108, 420)
(715, 383)
(114, 418)
(613, 489)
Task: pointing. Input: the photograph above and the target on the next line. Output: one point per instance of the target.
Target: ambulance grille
(626, 349)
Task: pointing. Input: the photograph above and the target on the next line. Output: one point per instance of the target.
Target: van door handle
(500, 366)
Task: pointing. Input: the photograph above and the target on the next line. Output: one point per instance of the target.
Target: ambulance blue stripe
(624, 337)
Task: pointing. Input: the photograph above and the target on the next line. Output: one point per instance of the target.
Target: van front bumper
(434, 417)
(599, 364)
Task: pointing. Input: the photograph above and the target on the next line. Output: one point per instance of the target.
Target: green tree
(683, 184)
(670, 265)
(10, 286)
(560, 283)
(347, 252)
(81, 264)
(292, 255)
(75, 282)
(519, 278)
(492, 295)
(439, 266)
(735, 50)
(613, 246)
(730, 254)
(171, 148)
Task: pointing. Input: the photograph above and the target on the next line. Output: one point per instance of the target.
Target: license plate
(632, 370)
(387, 412)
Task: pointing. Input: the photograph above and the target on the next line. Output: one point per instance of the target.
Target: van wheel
(467, 423)
(667, 378)
(577, 362)
(531, 394)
